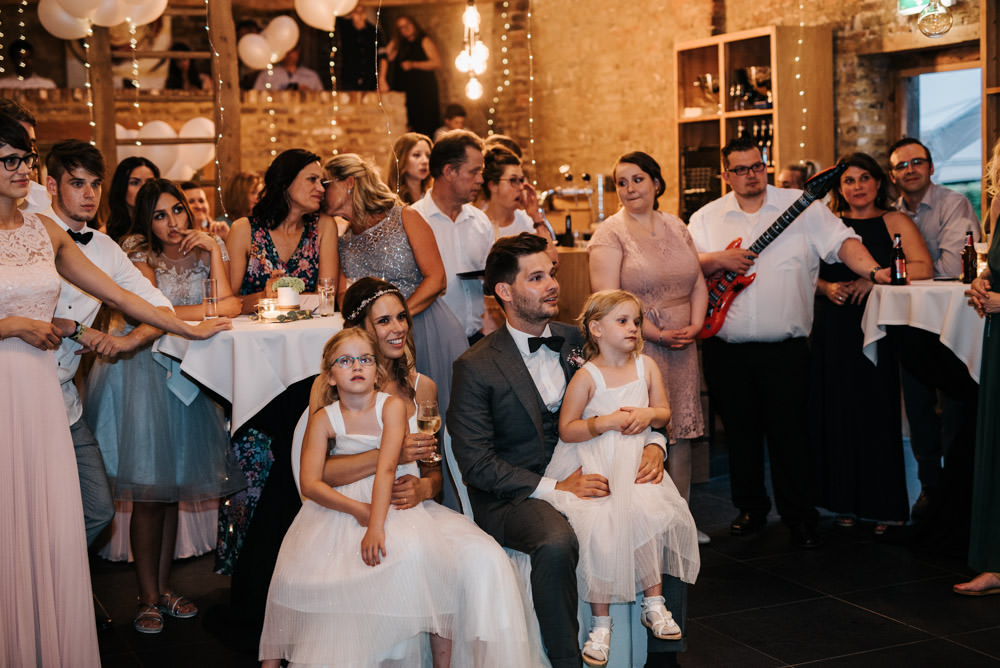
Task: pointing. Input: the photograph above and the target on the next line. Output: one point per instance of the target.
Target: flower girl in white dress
(630, 538)
(355, 579)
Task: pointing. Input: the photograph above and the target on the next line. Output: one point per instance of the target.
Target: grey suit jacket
(497, 424)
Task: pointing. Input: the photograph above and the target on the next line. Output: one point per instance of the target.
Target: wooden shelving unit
(705, 125)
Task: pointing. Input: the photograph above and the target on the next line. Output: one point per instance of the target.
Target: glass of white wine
(429, 422)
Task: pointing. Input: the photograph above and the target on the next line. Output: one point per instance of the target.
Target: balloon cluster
(257, 51)
(178, 162)
(321, 14)
(73, 19)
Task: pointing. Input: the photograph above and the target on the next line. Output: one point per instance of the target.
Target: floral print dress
(263, 258)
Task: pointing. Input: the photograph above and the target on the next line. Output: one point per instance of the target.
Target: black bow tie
(553, 342)
(81, 237)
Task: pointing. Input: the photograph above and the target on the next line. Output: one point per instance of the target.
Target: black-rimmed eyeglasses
(743, 170)
(13, 162)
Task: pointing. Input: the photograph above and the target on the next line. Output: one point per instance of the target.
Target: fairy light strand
(3, 69)
(505, 64)
(333, 86)
(800, 82)
(378, 91)
(21, 36)
(269, 109)
(88, 85)
(531, 101)
(222, 110)
(136, 84)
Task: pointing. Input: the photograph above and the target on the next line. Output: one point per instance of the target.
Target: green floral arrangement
(291, 316)
(292, 282)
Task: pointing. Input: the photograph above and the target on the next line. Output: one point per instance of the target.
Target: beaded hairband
(368, 300)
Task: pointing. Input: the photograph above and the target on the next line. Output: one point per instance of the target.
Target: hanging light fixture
(935, 20)
(474, 55)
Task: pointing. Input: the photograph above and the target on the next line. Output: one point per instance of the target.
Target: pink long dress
(46, 611)
(661, 270)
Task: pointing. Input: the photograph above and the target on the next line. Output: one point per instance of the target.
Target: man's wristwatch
(78, 332)
(871, 274)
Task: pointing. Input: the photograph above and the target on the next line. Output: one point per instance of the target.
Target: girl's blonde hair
(371, 195)
(993, 172)
(599, 305)
(329, 355)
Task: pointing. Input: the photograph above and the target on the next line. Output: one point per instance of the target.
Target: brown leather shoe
(747, 522)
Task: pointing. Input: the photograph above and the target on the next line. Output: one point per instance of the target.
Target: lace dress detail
(178, 279)
(46, 611)
(382, 251)
(263, 258)
(661, 271)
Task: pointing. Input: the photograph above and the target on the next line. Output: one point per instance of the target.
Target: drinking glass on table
(429, 422)
(326, 287)
(210, 297)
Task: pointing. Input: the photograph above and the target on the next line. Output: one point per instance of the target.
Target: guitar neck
(783, 221)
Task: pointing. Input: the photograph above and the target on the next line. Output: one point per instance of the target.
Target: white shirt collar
(521, 339)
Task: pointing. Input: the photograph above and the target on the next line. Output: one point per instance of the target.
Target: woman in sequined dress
(392, 242)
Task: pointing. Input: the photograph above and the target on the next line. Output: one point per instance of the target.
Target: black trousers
(761, 393)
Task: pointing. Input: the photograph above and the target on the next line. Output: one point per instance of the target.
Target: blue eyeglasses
(347, 361)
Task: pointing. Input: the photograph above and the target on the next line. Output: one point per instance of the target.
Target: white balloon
(110, 13)
(254, 51)
(126, 150)
(180, 171)
(147, 12)
(282, 33)
(161, 155)
(316, 13)
(343, 7)
(197, 155)
(59, 22)
(81, 9)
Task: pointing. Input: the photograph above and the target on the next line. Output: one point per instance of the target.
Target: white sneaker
(658, 619)
(703, 538)
(598, 647)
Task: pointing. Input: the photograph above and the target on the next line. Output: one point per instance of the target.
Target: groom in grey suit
(503, 418)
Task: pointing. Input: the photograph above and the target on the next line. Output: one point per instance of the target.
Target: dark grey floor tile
(927, 654)
(930, 605)
(812, 630)
(728, 587)
(986, 641)
(198, 654)
(708, 648)
(840, 567)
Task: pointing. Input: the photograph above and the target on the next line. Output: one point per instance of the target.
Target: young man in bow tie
(75, 173)
(503, 418)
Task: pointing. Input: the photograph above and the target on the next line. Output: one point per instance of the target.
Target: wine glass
(429, 422)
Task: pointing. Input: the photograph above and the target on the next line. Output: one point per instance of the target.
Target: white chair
(628, 640)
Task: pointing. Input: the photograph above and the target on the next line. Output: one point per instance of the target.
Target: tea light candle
(267, 309)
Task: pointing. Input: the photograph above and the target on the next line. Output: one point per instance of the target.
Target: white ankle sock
(652, 600)
(600, 622)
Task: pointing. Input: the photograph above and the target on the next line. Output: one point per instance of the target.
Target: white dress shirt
(943, 217)
(464, 244)
(779, 303)
(281, 79)
(74, 304)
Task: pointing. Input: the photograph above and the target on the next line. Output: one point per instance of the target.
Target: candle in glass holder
(267, 309)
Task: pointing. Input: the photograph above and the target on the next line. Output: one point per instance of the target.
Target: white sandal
(598, 647)
(658, 619)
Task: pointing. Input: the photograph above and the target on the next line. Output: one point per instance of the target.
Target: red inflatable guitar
(725, 285)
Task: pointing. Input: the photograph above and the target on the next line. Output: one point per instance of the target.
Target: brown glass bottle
(897, 263)
(970, 260)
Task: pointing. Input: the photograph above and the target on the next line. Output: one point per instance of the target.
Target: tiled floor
(859, 600)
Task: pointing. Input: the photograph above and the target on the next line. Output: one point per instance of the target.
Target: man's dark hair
(70, 154)
(453, 110)
(737, 145)
(13, 134)
(450, 150)
(502, 262)
(17, 111)
(906, 141)
(189, 185)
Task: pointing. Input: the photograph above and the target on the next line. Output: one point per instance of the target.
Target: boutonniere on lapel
(575, 358)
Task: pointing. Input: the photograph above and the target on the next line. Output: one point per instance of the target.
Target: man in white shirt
(503, 418)
(756, 365)
(75, 173)
(289, 75)
(464, 234)
(943, 217)
(198, 201)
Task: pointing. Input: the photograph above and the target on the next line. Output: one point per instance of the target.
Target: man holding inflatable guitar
(755, 353)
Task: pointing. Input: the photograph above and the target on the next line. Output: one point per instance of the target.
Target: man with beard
(503, 418)
(756, 365)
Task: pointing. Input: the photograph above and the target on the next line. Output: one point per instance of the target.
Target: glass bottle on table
(970, 259)
(897, 262)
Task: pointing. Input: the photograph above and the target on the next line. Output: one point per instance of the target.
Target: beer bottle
(897, 262)
(970, 259)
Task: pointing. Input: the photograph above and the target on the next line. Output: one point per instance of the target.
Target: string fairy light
(531, 102)
(505, 63)
(3, 69)
(221, 115)
(378, 92)
(88, 85)
(800, 83)
(269, 108)
(133, 43)
(333, 86)
(21, 36)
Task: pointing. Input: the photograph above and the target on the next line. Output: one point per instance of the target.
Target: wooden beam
(103, 87)
(226, 81)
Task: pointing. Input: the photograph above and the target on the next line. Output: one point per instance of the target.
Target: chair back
(297, 437)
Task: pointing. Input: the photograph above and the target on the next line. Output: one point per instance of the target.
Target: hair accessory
(368, 300)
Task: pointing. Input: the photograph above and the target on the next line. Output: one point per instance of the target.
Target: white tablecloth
(937, 306)
(253, 362)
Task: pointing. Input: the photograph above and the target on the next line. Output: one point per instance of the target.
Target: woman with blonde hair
(390, 241)
(409, 173)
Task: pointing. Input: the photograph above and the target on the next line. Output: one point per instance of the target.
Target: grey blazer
(500, 435)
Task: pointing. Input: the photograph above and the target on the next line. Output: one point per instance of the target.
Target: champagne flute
(429, 422)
